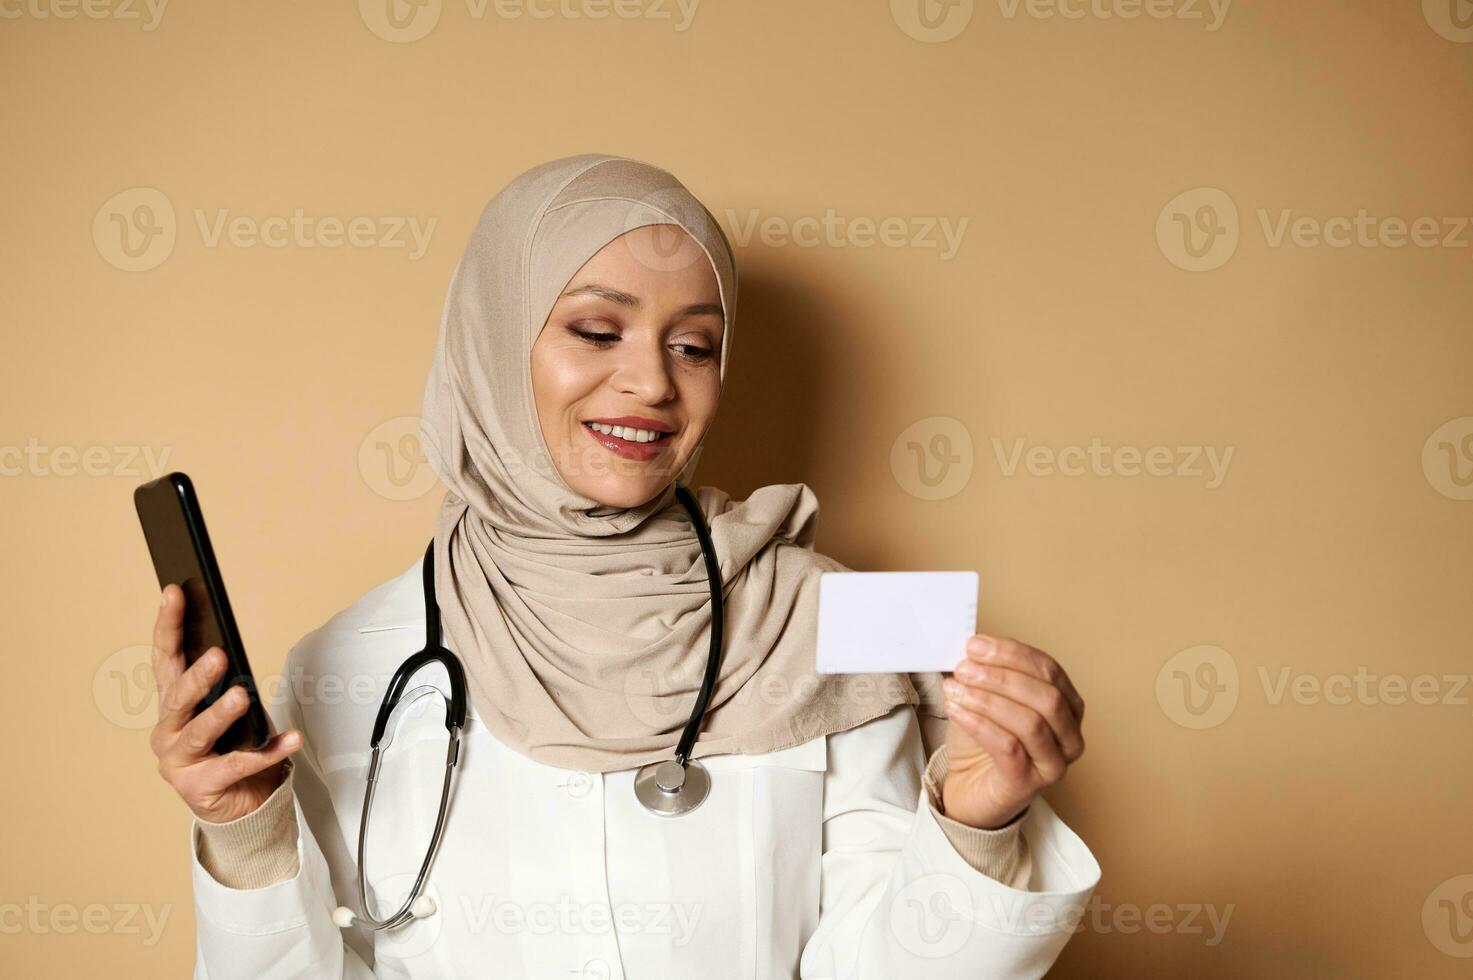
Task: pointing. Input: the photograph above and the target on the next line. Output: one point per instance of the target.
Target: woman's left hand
(1014, 730)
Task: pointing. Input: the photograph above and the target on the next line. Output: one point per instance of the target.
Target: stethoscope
(666, 789)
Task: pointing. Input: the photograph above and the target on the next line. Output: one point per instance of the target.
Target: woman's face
(632, 345)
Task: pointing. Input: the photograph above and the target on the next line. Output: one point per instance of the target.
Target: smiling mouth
(628, 433)
(628, 442)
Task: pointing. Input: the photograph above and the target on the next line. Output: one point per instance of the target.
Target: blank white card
(894, 622)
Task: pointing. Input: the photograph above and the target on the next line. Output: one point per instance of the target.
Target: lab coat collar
(401, 605)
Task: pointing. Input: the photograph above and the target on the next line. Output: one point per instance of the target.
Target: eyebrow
(633, 302)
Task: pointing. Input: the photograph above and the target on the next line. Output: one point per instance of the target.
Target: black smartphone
(174, 527)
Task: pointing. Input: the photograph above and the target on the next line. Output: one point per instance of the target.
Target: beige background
(1333, 834)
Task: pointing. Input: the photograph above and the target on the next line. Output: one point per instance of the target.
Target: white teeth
(625, 432)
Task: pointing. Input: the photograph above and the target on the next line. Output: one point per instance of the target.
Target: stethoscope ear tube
(668, 788)
(417, 904)
(718, 624)
(433, 652)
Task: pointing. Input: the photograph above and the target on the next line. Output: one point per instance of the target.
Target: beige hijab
(584, 628)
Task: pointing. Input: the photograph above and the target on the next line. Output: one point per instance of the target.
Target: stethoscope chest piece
(668, 789)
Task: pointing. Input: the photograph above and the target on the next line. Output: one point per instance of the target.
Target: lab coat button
(596, 970)
(578, 785)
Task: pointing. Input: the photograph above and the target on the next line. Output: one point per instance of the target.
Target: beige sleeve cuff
(255, 850)
(1000, 854)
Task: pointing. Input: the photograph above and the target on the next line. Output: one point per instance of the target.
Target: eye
(694, 351)
(593, 337)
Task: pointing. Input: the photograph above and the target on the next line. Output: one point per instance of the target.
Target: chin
(627, 492)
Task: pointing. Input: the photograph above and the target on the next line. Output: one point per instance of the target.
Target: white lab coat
(822, 860)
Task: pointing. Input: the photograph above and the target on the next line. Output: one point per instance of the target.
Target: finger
(176, 706)
(1020, 656)
(1042, 697)
(221, 772)
(197, 739)
(1025, 724)
(168, 637)
(1006, 752)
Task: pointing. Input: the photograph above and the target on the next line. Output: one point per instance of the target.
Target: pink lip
(638, 422)
(625, 448)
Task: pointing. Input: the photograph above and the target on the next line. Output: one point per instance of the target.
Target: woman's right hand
(217, 788)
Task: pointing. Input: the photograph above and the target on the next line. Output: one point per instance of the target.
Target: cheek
(559, 384)
(701, 396)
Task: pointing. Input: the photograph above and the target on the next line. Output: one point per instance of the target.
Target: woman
(580, 360)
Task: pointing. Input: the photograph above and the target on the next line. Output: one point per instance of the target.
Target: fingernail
(968, 671)
(952, 688)
(981, 645)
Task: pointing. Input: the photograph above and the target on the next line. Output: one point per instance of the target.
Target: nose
(644, 372)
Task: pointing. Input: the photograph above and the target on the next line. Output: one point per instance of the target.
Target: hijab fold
(584, 627)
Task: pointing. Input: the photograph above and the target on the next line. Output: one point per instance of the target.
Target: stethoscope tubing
(455, 713)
